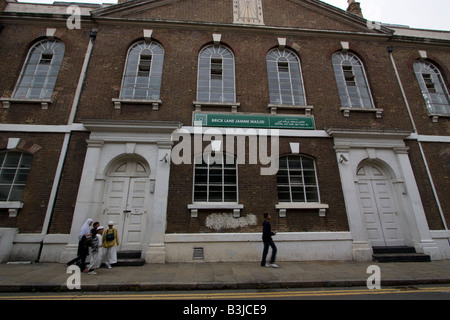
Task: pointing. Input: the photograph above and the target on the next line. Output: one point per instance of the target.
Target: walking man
(267, 239)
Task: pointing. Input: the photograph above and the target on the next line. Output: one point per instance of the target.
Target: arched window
(143, 71)
(216, 82)
(352, 81)
(297, 179)
(433, 87)
(285, 78)
(14, 168)
(38, 77)
(215, 178)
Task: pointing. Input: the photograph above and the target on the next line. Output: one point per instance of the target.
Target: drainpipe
(422, 153)
(65, 145)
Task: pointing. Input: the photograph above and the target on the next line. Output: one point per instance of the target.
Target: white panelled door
(379, 209)
(126, 203)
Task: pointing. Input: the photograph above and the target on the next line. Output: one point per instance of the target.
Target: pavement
(53, 277)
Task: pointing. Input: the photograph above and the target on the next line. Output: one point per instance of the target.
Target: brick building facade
(354, 115)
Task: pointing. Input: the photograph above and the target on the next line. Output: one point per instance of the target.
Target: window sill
(12, 206)
(282, 207)
(232, 105)
(274, 107)
(154, 103)
(435, 116)
(43, 102)
(236, 207)
(377, 111)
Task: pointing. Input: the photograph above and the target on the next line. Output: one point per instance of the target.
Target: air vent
(199, 254)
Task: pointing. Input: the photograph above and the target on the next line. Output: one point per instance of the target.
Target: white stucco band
(109, 142)
(229, 247)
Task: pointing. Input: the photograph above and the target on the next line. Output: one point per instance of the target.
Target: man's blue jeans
(266, 251)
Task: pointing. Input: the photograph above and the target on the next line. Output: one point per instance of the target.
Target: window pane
(351, 80)
(21, 176)
(434, 90)
(4, 192)
(14, 168)
(311, 194)
(16, 193)
(215, 193)
(284, 194)
(143, 71)
(230, 194)
(284, 75)
(298, 194)
(7, 176)
(216, 81)
(296, 180)
(43, 61)
(215, 182)
(12, 159)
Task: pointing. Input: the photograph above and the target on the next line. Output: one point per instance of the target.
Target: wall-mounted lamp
(343, 158)
(165, 159)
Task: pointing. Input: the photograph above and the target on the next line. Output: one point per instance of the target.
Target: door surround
(109, 142)
(387, 149)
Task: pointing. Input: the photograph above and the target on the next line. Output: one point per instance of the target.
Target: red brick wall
(259, 194)
(39, 182)
(15, 41)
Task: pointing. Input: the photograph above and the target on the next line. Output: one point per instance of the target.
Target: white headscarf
(85, 229)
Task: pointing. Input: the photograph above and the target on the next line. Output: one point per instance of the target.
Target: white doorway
(126, 201)
(379, 207)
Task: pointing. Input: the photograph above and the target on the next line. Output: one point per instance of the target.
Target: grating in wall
(198, 254)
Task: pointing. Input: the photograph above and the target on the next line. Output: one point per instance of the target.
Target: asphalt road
(388, 293)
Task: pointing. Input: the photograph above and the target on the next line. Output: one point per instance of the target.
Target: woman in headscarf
(84, 238)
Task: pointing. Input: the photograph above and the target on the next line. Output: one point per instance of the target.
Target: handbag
(109, 235)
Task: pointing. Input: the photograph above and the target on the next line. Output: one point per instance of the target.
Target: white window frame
(205, 79)
(154, 75)
(221, 159)
(435, 109)
(273, 59)
(8, 202)
(283, 206)
(359, 98)
(31, 71)
(302, 184)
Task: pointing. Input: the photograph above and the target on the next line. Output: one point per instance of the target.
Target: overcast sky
(424, 14)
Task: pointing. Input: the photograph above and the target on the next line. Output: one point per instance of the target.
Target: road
(388, 293)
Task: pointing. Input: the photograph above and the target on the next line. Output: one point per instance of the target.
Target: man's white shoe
(273, 265)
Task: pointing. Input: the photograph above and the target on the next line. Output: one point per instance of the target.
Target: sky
(422, 14)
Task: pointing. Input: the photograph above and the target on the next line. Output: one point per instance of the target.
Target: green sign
(253, 121)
